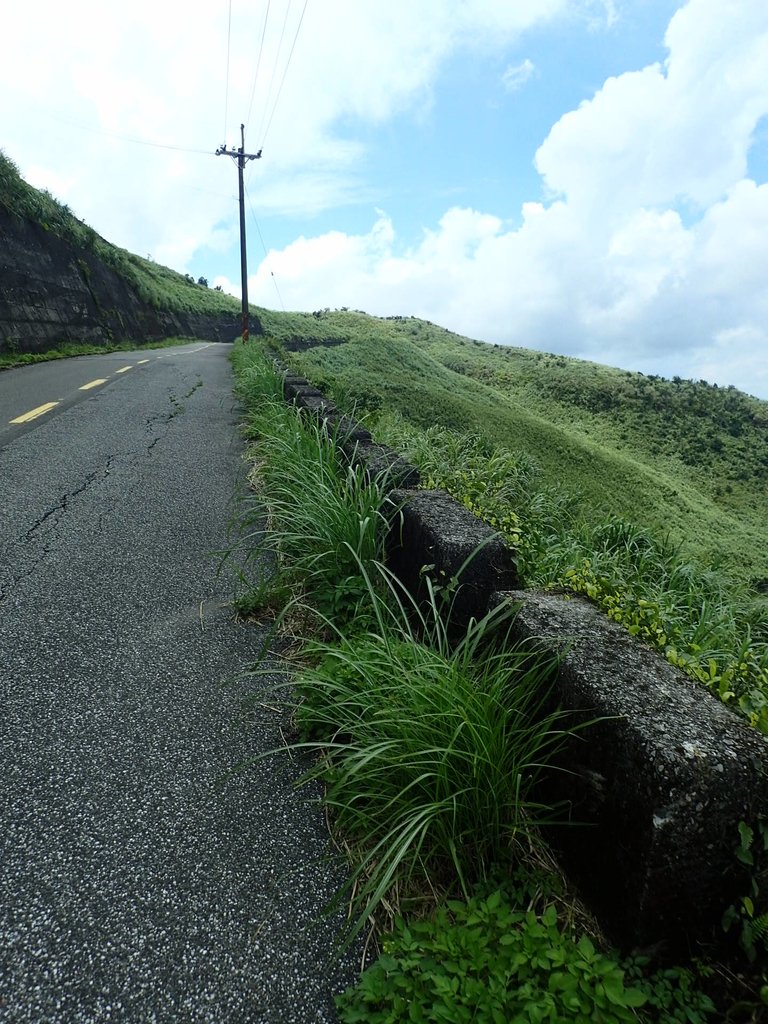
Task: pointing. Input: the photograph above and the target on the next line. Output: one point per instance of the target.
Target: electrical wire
(285, 73)
(266, 253)
(274, 70)
(258, 64)
(146, 142)
(226, 84)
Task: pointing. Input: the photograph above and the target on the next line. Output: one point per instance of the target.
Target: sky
(583, 177)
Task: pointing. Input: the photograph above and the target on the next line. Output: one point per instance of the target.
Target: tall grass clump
(429, 747)
(314, 519)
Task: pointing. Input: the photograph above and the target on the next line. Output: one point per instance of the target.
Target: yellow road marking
(142, 361)
(93, 384)
(34, 413)
(125, 369)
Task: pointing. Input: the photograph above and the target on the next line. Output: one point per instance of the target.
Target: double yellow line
(42, 409)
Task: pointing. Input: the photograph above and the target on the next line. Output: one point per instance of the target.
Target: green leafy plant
(747, 915)
(491, 961)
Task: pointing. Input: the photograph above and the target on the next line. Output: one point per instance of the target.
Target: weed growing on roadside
(323, 515)
(429, 747)
(750, 915)
(494, 960)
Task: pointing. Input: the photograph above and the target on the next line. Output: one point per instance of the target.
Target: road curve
(141, 878)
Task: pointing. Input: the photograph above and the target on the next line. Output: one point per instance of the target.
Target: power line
(274, 69)
(226, 85)
(73, 123)
(288, 64)
(258, 63)
(146, 142)
(266, 253)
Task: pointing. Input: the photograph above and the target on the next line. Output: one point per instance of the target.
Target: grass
(324, 518)
(70, 350)
(429, 734)
(420, 739)
(684, 457)
(429, 747)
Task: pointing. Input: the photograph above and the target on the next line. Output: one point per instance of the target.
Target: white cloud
(653, 254)
(517, 75)
(152, 71)
(672, 133)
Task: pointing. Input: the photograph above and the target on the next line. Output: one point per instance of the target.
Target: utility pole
(241, 157)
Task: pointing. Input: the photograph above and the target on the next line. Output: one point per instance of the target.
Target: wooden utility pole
(241, 157)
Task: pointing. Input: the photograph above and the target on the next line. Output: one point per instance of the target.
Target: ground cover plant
(496, 959)
(408, 724)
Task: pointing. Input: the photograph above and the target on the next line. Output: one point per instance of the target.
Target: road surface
(142, 878)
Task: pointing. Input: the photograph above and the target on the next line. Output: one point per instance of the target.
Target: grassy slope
(685, 457)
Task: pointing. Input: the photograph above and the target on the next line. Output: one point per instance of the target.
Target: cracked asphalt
(151, 870)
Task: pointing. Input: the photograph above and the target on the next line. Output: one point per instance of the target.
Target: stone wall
(51, 293)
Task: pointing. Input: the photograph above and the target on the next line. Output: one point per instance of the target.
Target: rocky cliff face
(51, 292)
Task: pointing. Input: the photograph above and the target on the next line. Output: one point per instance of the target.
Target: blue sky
(474, 141)
(580, 176)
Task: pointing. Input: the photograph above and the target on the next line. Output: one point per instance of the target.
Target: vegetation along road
(141, 879)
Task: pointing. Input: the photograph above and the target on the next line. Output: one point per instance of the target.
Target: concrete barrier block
(294, 391)
(315, 405)
(378, 459)
(432, 529)
(660, 783)
(346, 430)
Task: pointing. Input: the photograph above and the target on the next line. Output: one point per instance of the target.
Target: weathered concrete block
(345, 429)
(378, 459)
(289, 377)
(316, 405)
(660, 783)
(429, 528)
(294, 391)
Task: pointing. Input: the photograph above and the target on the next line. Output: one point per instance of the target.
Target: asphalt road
(142, 878)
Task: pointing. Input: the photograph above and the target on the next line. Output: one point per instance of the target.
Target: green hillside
(646, 495)
(684, 458)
